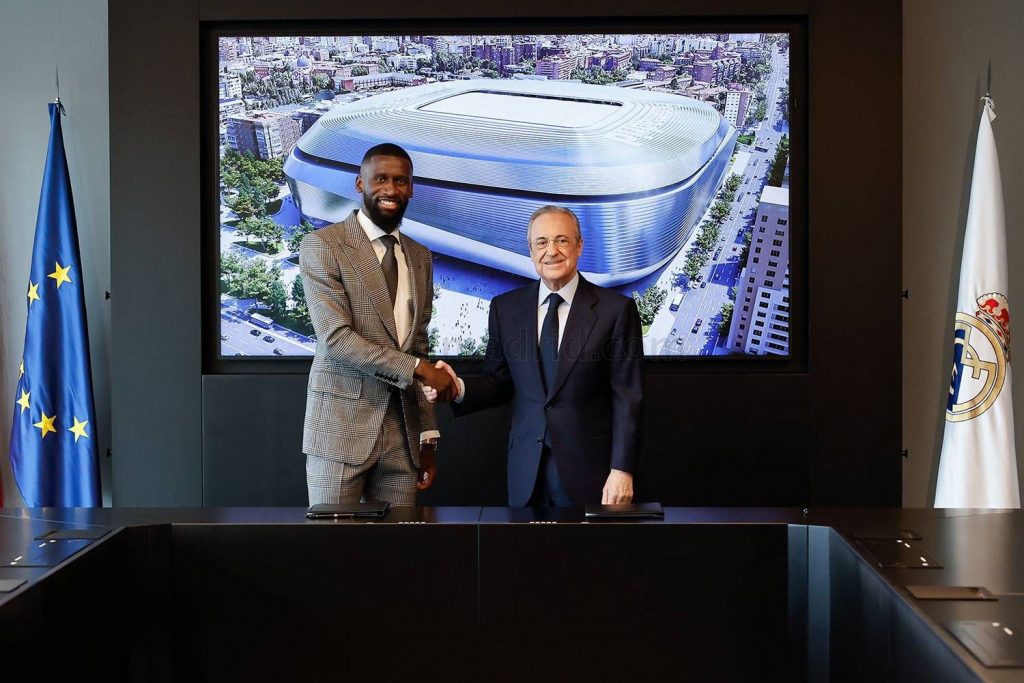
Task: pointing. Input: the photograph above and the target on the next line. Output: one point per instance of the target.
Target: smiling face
(555, 247)
(386, 185)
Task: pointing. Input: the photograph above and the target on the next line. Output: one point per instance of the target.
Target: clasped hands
(439, 381)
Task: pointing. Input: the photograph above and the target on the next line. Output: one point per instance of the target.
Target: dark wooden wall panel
(156, 383)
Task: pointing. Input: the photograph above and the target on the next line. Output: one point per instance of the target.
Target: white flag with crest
(978, 466)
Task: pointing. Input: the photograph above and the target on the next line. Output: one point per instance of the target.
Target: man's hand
(618, 488)
(428, 466)
(436, 379)
(431, 393)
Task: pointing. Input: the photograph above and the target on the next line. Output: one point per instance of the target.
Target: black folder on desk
(372, 510)
(626, 511)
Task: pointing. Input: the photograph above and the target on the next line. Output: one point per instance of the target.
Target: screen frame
(796, 362)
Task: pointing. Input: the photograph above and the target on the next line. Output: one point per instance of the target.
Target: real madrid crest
(981, 350)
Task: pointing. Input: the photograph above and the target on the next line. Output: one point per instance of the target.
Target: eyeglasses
(560, 242)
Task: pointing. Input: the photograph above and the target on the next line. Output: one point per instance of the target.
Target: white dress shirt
(403, 297)
(567, 292)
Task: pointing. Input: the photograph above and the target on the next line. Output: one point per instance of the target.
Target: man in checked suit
(369, 433)
(569, 355)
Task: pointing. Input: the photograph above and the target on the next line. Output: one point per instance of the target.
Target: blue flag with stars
(53, 444)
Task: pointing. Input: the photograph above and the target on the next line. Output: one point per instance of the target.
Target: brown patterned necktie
(390, 266)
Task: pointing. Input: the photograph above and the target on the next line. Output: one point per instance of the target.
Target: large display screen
(673, 150)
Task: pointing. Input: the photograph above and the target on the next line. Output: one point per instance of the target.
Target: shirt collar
(567, 292)
(373, 232)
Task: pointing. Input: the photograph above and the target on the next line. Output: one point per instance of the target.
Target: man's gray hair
(551, 208)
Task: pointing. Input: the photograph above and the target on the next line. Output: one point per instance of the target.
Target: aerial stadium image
(673, 150)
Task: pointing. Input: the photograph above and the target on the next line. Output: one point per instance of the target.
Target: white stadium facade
(638, 168)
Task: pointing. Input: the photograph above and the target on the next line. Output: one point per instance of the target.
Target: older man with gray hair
(569, 355)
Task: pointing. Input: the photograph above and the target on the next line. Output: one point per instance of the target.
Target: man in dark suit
(369, 432)
(569, 355)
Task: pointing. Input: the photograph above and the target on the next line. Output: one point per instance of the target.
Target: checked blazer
(359, 359)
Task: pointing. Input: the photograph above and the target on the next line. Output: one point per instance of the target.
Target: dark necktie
(390, 266)
(549, 341)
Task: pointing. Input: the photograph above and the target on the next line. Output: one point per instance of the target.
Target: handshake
(439, 382)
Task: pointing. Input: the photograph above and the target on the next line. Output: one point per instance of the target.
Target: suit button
(547, 409)
(540, 441)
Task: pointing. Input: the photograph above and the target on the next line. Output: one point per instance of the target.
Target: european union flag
(53, 438)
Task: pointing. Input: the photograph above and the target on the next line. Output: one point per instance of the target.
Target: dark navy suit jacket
(593, 410)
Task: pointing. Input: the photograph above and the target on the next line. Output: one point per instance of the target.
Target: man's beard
(386, 222)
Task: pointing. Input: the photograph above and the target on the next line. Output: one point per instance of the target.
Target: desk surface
(973, 547)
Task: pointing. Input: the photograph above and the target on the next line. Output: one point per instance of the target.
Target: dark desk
(874, 629)
(498, 594)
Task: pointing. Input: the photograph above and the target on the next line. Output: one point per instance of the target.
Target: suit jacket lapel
(577, 329)
(417, 282)
(526, 319)
(367, 267)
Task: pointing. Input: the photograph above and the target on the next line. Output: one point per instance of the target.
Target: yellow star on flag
(33, 292)
(21, 369)
(78, 429)
(23, 401)
(45, 425)
(60, 274)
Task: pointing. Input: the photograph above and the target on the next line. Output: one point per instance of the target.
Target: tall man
(569, 355)
(369, 433)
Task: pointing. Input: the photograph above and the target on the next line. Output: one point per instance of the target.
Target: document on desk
(370, 510)
(10, 585)
(994, 643)
(626, 511)
(951, 593)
